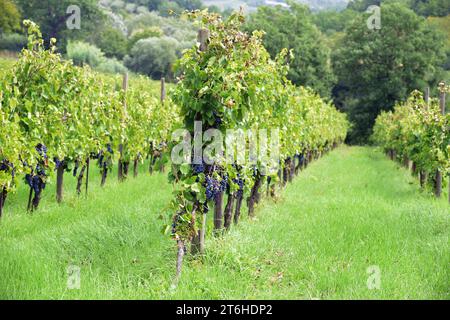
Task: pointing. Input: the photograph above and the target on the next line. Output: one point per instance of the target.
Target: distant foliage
(294, 29)
(150, 32)
(111, 66)
(436, 8)
(9, 17)
(13, 42)
(112, 42)
(377, 68)
(153, 56)
(82, 53)
(51, 16)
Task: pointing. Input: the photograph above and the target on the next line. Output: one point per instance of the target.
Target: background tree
(436, 8)
(112, 42)
(294, 29)
(329, 21)
(9, 17)
(153, 56)
(376, 68)
(51, 16)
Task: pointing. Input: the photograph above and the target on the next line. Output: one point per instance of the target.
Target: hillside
(252, 5)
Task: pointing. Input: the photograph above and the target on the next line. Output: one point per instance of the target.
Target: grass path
(348, 211)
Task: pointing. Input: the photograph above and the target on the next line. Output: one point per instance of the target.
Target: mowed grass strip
(347, 213)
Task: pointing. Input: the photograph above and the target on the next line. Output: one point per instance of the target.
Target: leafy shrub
(84, 53)
(111, 66)
(112, 42)
(117, 4)
(151, 32)
(153, 56)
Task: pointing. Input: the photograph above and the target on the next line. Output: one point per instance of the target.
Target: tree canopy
(51, 16)
(376, 68)
(294, 29)
(9, 17)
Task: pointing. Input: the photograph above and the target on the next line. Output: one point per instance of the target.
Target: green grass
(348, 211)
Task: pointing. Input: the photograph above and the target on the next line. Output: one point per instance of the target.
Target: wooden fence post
(163, 89)
(198, 242)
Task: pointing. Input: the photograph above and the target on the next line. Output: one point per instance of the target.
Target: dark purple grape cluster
(40, 170)
(217, 120)
(174, 228)
(224, 183)
(198, 168)
(108, 147)
(6, 166)
(101, 157)
(42, 150)
(35, 182)
(212, 188)
(240, 182)
(58, 162)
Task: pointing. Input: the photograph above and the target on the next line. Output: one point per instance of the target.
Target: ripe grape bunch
(240, 182)
(36, 181)
(58, 163)
(198, 168)
(6, 166)
(213, 187)
(42, 150)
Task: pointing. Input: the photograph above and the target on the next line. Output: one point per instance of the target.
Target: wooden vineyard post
(59, 182)
(198, 242)
(163, 89)
(438, 184)
(88, 162)
(1, 200)
(218, 212)
(120, 164)
(423, 177)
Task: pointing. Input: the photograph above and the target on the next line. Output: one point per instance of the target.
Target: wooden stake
(1, 201)
(202, 38)
(163, 89)
(218, 212)
(198, 242)
(59, 182)
(180, 255)
(87, 174)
